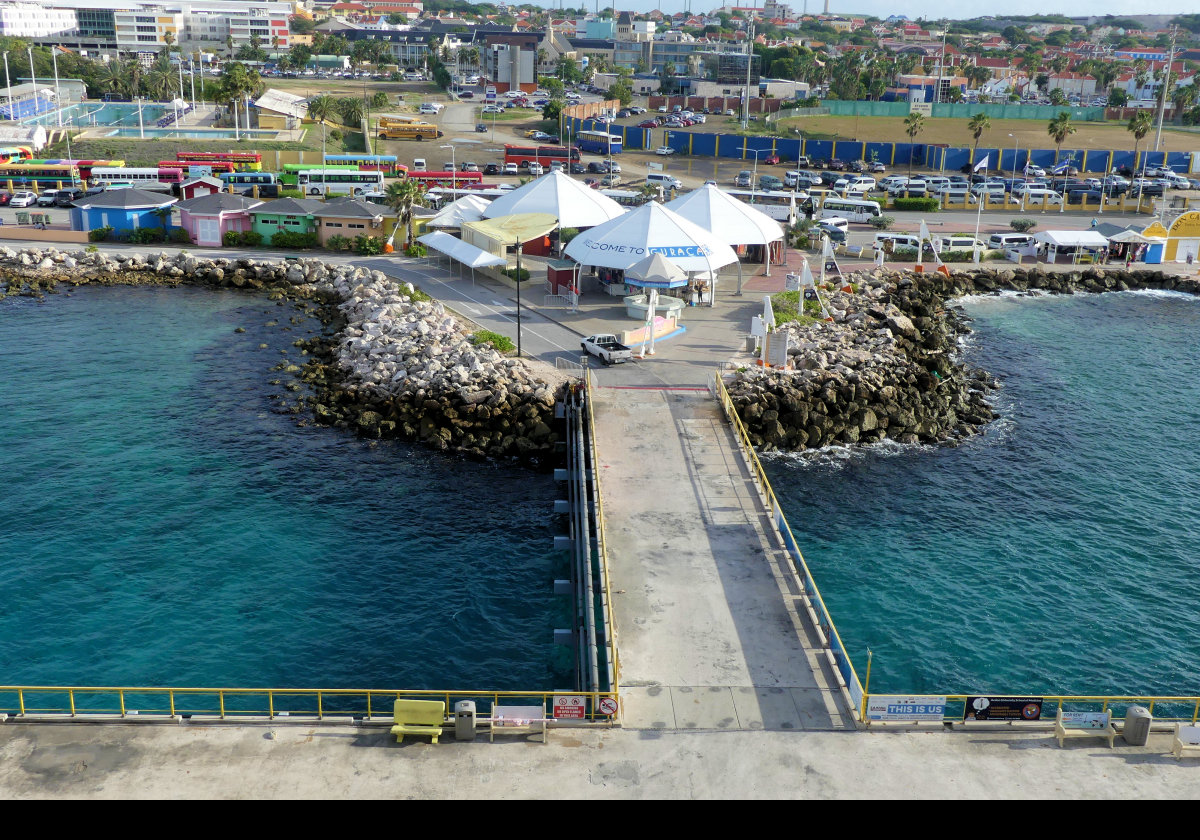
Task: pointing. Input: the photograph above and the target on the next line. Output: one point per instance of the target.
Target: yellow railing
(603, 550)
(234, 703)
(824, 619)
(1051, 703)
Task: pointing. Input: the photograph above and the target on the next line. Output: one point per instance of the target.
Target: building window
(333, 224)
(267, 222)
(147, 38)
(352, 225)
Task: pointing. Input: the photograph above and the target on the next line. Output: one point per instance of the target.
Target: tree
(1057, 97)
(1060, 129)
(979, 123)
(301, 55)
(553, 86)
(320, 108)
(351, 110)
(401, 196)
(913, 124)
(1117, 98)
(169, 40)
(1139, 126)
(622, 92)
(1183, 97)
(379, 99)
(552, 110)
(237, 83)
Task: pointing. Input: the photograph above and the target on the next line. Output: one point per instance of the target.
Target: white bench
(1186, 738)
(1083, 725)
(519, 720)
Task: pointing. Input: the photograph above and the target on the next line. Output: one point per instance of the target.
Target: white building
(32, 20)
(509, 67)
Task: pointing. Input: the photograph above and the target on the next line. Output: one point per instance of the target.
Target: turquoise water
(163, 523)
(1057, 553)
(194, 134)
(98, 114)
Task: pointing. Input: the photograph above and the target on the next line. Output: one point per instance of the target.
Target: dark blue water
(163, 523)
(1057, 553)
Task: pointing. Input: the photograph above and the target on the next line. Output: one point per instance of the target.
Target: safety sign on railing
(908, 709)
(569, 706)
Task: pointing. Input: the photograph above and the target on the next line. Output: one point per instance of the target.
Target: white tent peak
(572, 203)
(650, 229)
(731, 221)
(656, 271)
(469, 208)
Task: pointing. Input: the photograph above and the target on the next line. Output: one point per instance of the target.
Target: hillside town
(1047, 59)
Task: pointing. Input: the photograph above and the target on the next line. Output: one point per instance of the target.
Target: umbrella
(655, 271)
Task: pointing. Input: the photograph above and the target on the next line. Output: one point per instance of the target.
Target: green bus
(291, 170)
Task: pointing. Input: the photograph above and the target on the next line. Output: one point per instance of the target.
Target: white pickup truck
(606, 348)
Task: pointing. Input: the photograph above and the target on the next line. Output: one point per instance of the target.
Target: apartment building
(32, 20)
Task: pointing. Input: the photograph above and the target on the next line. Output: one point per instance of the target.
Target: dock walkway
(711, 626)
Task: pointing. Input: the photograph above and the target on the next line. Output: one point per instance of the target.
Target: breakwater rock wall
(392, 364)
(886, 366)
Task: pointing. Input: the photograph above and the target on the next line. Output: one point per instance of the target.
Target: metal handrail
(370, 702)
(1105, 701)
(781, 522)
(602, 548)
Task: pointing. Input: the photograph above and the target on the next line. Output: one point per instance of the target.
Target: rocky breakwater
(405, 367)
(391, 363)
(883, 367)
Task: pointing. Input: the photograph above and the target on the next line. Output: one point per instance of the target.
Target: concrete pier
(710, 619)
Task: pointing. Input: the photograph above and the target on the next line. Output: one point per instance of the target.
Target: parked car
(648, 124)
(835, 233)
(492, 169)
(511, 169)
(769, 182)
(46, 199)
(577, 168)
(606, 348)
(465, 94)
(536, 168)
(610, 181)
(468, 166)
(744, 178)
(664, 151)
(591, 182)
(23, 198)
(493, 109)
(480, 128)
(771, 159)
(66, 197)
(876, 166)
(600, 167)
(5, 198)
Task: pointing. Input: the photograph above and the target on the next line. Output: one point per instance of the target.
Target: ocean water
(162, 522)
(1059, 552)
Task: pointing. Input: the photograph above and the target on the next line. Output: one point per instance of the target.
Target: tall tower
(826, 6)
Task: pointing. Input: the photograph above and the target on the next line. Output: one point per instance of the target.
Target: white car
(614, 167)
(493, 109)
(431, 108)
(472, 80)
(23, 198)
(513, 94)
(664, 150)
(540, 92)
(536, 168)
(572, 95)
(511, 169)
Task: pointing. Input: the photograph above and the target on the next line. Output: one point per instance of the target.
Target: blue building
(122, 209)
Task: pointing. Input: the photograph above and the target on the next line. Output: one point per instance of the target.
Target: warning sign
(607, 706)
(569, 706)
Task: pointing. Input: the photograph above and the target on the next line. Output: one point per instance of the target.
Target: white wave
(1161, 293)
(988, 297)
(839, 455)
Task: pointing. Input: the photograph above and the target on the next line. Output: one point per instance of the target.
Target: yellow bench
(419, 717)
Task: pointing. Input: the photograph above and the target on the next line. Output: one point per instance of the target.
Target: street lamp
(453, 169)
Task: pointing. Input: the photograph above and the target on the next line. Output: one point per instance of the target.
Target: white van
(993, 191)
(1038, 195)
(667, 182)
(957, 242)
(899, 241)
(419, 165)
(1004, 241)
(936, 183)
(839, 222)
(955, 195)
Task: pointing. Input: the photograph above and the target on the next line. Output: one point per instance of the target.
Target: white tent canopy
(469, 208)
(568, 200)
(463, 252)
(731, 221)
(656, 272)
(650, 229)
(1071, 238)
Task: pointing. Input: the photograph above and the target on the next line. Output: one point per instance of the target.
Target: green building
(294, 215)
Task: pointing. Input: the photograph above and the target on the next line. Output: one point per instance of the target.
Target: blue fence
(890, 154)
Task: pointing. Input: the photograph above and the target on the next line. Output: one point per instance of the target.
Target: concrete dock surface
(49, 761)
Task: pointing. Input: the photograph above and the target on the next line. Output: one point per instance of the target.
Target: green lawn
(150, 152)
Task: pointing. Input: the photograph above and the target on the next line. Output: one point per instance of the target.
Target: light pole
(8, 84)
(454, 177)
(518, 282)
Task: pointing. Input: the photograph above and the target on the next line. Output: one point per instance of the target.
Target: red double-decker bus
(242, 161)
(545, 155)
(447, 179)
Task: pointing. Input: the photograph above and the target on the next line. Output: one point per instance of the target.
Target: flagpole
(979, 210)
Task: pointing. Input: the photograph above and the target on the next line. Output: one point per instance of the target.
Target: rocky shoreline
(887, 366)
(391, 364)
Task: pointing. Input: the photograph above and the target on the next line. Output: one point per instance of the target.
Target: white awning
(731, 221)
(650, 229)
(456, 249)
(469, 208)
(1072, 238)
(564, 198)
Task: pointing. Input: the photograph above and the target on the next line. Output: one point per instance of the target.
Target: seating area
(1187, 738)
(169, 118)
(418, 717)
(519, 720)
(1084, 725)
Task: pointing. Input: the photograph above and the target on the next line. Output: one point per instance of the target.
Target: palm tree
(1183, 97)
(913, 124)
(320, 108)
(978, 124)
(1139, 126)
(401, 196)
(116, 77)
(351, 110)
(1060, 129)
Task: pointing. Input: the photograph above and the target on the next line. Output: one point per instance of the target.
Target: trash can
(1137, 726)
(464, 720)
(751, 343)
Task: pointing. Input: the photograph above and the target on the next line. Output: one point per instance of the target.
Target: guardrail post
(271, 704)
(320, 707)
(1195, 712)
(368, 704)
(21, 699)
(121, 693)
(71, 694)
(171, 700)
(221, 696)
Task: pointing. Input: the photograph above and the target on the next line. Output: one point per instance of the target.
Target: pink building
(206, 218)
